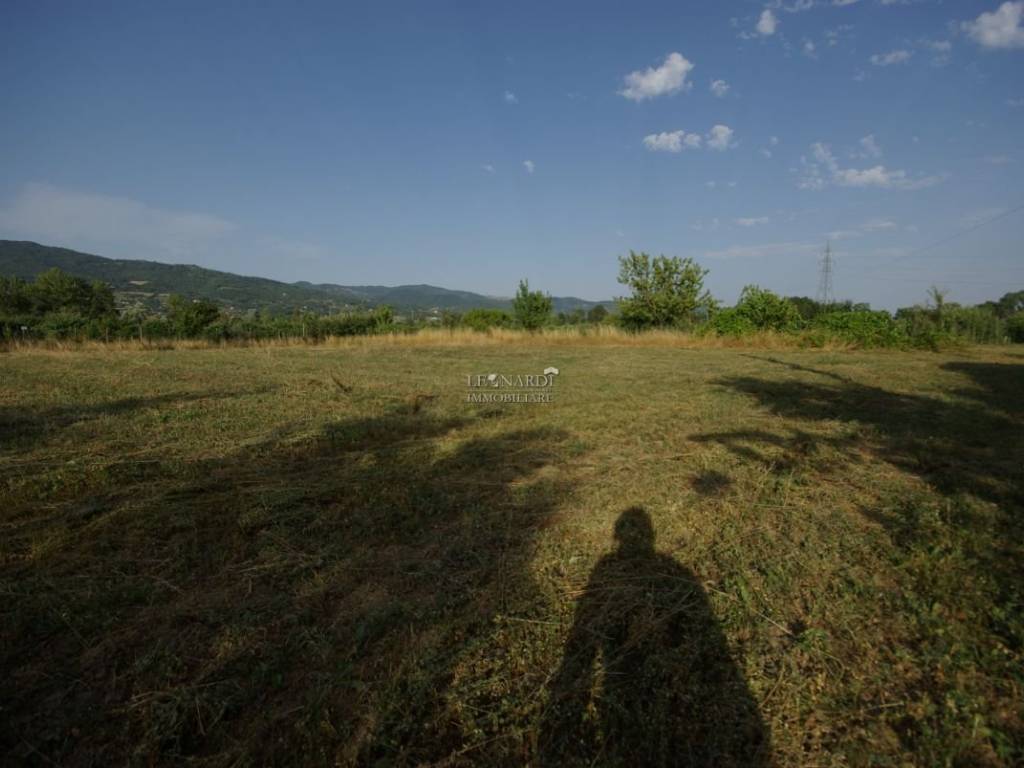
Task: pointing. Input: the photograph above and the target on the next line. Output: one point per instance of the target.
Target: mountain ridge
(147, 283)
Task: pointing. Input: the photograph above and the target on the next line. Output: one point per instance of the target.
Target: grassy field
(325, 555)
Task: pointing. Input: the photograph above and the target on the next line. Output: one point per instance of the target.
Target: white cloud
(823, 169)
(999, 29)
(1015, 103)
(893, 57)
(867, 228)
(719, 88)
(510, 98)
(842, 234)
(658, 81)
(117, 225)
(940, 48)
(752, 221)
(488, 167)
(767, 153)
(878, 176)
(774, 141)
(767, 23)
(673, 141)
(869, 147)
(877, 225)
(529, 166)
(798, 6)
(810, 50)
(720, 138)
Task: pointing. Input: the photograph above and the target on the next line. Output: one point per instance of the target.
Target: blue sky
(472, 144)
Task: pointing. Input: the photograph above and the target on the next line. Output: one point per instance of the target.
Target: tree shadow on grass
(711, 483)
(968, 448)
(299, 602)
(995, 385)
(958, 551)
(646, 677)
(23, 427)
(956, 447)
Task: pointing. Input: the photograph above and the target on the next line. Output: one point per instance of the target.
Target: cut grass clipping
(729, 557)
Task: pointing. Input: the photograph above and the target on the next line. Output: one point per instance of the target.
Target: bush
(731, 322)
(946, 323)
(63, 325)
(483, 319)
(760, 309)
(1015, 328)
(867, 329)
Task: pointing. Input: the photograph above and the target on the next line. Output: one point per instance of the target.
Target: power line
(961, 233)
(944, 281)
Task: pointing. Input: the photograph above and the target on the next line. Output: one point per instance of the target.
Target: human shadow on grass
(300, 602)
(646, 677)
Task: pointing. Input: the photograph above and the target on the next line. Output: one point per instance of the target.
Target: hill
(148, 283)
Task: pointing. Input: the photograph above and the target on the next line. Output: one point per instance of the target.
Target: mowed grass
(319, 556)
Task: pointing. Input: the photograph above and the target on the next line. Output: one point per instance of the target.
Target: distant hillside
(149, 282)
(415, 296)
(146, 282)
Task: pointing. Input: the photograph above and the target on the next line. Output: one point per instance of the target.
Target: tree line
(663, 293)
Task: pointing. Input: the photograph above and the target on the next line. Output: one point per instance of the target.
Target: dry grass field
(327, 556)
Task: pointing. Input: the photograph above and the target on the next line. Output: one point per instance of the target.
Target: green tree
(1015, 327)
(383, 317)
(532, 309)
(666, 291)
(1010, 304)
(937, 301)
(806, 306)
(767, 311)
(597, 314)
(101, 300)
(15, 297)
(57, 291)
(190, 318)
(576, 317)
